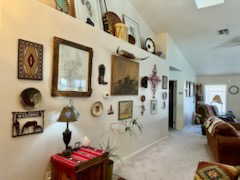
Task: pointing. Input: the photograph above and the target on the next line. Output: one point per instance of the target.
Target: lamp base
(67, 152)
(67, 134)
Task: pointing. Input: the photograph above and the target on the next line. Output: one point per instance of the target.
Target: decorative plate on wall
(30, 98)
(234, 90)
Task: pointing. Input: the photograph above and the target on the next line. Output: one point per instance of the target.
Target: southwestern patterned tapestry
(30, 60)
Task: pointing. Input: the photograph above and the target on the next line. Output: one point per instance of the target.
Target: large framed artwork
(89, 11)
(30, 60)
(125, 110)
(72, 69)
(125, 76)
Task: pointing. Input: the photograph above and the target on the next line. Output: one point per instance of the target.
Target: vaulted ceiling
(195, 31)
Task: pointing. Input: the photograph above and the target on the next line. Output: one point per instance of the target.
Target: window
(216, 95)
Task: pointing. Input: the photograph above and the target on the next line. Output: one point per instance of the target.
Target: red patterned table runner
(80, 156)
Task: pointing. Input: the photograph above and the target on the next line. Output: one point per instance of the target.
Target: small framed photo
(154, 104)
(30, 60)
(89, 11)
(125, 110)
(164, 82)
(133, 29)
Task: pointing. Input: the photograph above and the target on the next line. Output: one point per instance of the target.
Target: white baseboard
(124, 159)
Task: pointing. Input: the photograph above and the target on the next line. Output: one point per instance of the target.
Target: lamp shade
(68, 114)
(217, 99)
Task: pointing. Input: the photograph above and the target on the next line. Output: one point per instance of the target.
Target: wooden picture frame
(72, 69)
(125, 77)
(30, 60)
(69, 4)
(125, 110)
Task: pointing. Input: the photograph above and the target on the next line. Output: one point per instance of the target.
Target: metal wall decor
(101, 75)
(155, 80)
(72, 69)
(30, 60)
(27, 123)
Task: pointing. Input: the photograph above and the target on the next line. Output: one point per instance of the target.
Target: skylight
(207, 3)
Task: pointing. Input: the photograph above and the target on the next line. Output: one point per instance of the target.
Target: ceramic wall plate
(97, 109)
(30, 98)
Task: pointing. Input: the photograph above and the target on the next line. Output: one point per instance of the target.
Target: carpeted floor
(175, 158)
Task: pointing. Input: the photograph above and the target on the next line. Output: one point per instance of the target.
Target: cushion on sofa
(226, 129)
(216, 171)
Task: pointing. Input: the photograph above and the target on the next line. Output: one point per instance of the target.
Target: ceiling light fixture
(207, 3)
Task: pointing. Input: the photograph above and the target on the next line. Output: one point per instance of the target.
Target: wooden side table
(84, 164)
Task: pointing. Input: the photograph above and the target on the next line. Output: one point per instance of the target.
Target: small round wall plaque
(97, 109)
(234, 90)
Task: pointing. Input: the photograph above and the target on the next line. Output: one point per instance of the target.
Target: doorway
(172, 104)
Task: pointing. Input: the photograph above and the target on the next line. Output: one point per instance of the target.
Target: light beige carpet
(175, 158)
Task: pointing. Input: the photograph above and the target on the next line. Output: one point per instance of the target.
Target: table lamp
(68, 114)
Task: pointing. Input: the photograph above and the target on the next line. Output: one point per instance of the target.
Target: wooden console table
(84, 164)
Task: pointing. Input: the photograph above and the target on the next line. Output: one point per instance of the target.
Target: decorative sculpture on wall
(22, 127)
(101, 71)
(155, 80)
(143, 99)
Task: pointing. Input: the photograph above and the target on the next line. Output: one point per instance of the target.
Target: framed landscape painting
(125, 110)
(125, 76)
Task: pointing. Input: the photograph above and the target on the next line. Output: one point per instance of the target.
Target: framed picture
(72, 69)
(125, 110)
(133, 29)
(125, 76)
(30, 60)
(153, 107)
(89, 11)
(66, 6)
(164, 82)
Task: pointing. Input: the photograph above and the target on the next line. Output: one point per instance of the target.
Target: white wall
(229, 80)
(175, 58)
(27, 158)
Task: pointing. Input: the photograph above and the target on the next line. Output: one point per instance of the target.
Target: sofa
(224, 142)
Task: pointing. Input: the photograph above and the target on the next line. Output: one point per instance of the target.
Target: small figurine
(110, 111)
